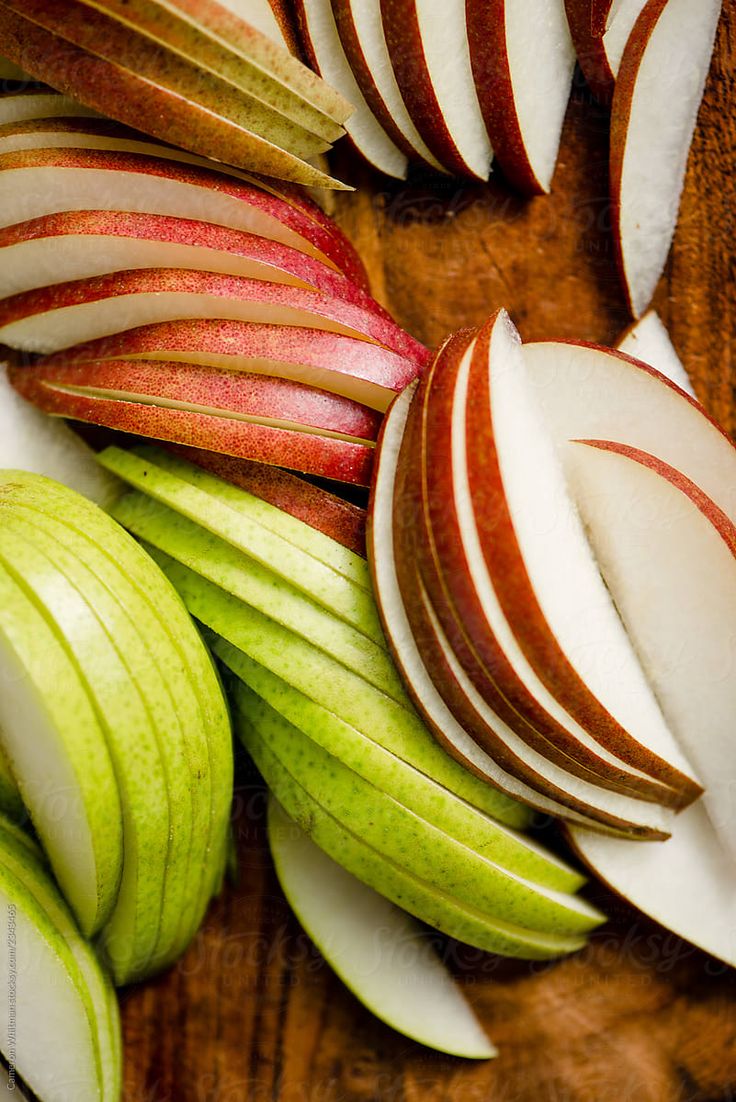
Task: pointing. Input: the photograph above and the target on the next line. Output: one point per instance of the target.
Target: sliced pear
(437, 908)
(407, 785)
(398, 976)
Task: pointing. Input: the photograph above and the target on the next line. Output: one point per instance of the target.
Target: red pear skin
(262, 397)
(335, 360)
(291, 208)
(113, 90)
(587, 20)
(335, 312)
(340, 520)
(518, 599)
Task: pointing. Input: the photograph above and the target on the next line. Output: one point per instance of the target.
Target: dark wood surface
(252, 1014)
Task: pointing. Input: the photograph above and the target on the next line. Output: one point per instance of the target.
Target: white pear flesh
(574, 609)
(31, 441)
(34, 104)
(47, 1032)
(687, 883)
(662, 76)
(417, 676)
(621, 22)
(379, 952)
(649, 341)
(668, 556)
(369, 137)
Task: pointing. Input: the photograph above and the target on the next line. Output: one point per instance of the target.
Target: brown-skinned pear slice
(648, 340)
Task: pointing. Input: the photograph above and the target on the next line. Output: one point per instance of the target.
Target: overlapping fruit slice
(337, 738)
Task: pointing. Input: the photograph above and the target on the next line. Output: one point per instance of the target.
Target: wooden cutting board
(252, 1013)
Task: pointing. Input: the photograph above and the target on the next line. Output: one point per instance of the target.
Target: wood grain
(252, 1013)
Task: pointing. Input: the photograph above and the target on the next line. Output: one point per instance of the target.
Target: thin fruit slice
(325, 52)
(267, 16)
(429, 48)
(540, 566)
(649, 341)
(437, 908)
(523, 60)
(39, 182)
(663, 74)
(48, 1025)
(33, 442)
(239, 520)
(600, 31)
(121, 93)
(403, 983)
(360, 26)
(18, 858)
(686, 883)
(349, 366)
(35, 103)
(67, 759)
(259, 587)
(668, 556)
(406, 785)
(623, 813)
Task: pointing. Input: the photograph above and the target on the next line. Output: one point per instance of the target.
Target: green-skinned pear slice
(413, 842)
(326, 681)
(178, 686)
(407, 785)
(315, 543)
(397, 975)
(323, 584)
(58, 754)
(19, 859)
(437, 908)
(50, 1016)
(255, 585)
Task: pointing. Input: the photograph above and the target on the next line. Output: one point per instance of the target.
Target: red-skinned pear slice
(668, 556)
(361, 31)
(256, 399)
(649, 341)
(342, 521)
(523, 61)
(39, 182)
(402, 980)
(589, 393)
(367, 373)
(114, 90)
(75, 245)
(600, 30)
(181, 421)
(49, 319)
(687, 883)
(428, 43)
(662, 75)
(442, 722)
(325, 53)
(538, 564)
(32, 103)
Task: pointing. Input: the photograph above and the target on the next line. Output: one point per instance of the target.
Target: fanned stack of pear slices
(196, 75)
(114, 724)
(60, 1016)
(319, 706)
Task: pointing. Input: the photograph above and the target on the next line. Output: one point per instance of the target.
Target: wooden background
(252, 1014)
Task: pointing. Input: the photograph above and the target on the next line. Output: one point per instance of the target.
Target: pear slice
(401, 980)
(255, 585)
(438, 908)
(47, 1024)
(174, 675)
(320, 582)
(57, 751)
(649, 341)
(413, 842)
(18, 857)
(317, 675)
(406, 785)
(35, 103)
